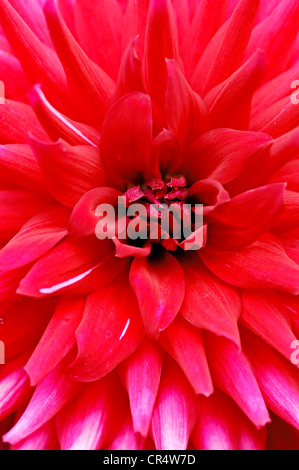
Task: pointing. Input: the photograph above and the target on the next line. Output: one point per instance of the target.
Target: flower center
(160, 211)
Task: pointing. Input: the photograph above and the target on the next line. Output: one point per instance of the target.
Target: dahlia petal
(230, 102)
(57, 125)
(276, 35)
(252, 438)
(265, 9)
(16, 120)
(39, 61)
(19, 168)
(135, 22)
(273, 90)
(130, 75)
(126, 439)
(168, 151)
(67, 10)
(57, 340)
(84, 265)
(283, 150)
(186, 114)
(291, 303)
(161, 42)
(277, 120)
(90, 86)
(159, 287)
(217, 427)
(290, 244)
(185, 344)
(141, 375)
(14, 386)
(51, 394)
(83, 424)
(231, 227)
(181, 9)
(16, 85)
(175, 410)
(83, 219)
(123, 250)
(193, 6)
(206, 22)
(9, 282)
(221, 61)
(289, 219)
(131, 120)
(4, 44)
(222, 154)
(16, 207)
(210, 193)
(81, 163)
(289, 173)
(232, 373)
(31, 324)
(262, 119)
(209, 303)
(264, 315)
(31, 12)
(45, 438)
(111, 330)
(37, 236)
(261, 265)
(99, 29)
(197, 240)
(278, 379)
(269, 159)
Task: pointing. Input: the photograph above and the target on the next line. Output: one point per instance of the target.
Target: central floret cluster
(158, 211)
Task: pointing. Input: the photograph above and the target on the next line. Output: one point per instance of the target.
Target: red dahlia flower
(123, 344)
